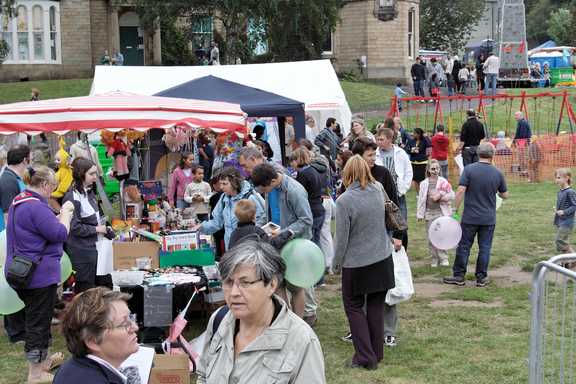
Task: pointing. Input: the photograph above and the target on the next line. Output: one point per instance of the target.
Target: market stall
(154, 255)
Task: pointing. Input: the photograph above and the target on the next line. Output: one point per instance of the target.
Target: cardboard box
(170, 369)
(127, 253)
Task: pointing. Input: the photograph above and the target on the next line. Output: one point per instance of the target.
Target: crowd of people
(265, 331)
(455, 75)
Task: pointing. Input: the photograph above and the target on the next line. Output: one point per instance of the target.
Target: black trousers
(14, 326)
(39, 309)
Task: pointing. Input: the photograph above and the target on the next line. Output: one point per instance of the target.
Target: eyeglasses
(128, 324)
(242, 285)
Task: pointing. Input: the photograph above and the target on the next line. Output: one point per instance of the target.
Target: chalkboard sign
(157, 306)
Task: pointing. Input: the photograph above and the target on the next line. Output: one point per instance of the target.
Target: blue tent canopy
(255, 102)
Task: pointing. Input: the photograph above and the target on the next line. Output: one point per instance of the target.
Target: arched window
(33, 33)
(38, 32)
(53, 34)
(22, 28)
(6, 35)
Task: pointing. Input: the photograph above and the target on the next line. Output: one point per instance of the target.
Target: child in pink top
(179, 179)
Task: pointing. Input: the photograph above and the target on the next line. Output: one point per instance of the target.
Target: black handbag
(20, 272)
(394, 219)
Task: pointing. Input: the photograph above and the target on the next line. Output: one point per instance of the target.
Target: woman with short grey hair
(255, 338)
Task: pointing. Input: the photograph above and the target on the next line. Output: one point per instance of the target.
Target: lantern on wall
(385, 10)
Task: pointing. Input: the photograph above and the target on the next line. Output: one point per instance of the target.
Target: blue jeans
(491, 82)
(485, 235)
(181, 204)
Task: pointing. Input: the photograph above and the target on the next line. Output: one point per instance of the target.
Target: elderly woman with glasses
(100, 333)
(256, 338)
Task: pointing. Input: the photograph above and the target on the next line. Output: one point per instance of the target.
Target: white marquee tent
(312, 82)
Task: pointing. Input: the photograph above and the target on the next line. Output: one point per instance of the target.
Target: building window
(327, 46)
(22, 28)
(38, 32)
(6, 35)
(33, 34)
(53, 34)
(411, 33)
(202, 32)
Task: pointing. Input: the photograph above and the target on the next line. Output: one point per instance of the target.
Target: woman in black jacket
(85, 225)
(314, 183)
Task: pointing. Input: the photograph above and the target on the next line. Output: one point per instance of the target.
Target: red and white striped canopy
(119, 110)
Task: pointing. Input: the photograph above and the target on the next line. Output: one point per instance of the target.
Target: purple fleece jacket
(35, 230)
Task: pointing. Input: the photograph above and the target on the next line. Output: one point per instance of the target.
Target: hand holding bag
(404, 288)
(394, 219)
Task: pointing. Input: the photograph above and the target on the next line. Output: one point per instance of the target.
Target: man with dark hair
(418, 72)
(295, 216)
(327, 140)
(367, 149)
(11, 184)
(471, 135)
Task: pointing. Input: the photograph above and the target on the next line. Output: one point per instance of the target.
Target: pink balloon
(445, 233)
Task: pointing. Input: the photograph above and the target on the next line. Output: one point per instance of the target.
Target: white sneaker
(445, 263)
(434, 265)
(390, 341)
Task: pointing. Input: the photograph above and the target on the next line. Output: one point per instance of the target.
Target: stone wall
(100, 35)
(385, 44)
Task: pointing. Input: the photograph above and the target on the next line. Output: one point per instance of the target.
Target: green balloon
(65, 268)
(9, 300)
(304, 263)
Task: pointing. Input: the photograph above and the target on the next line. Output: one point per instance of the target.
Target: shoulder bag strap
(12, 221)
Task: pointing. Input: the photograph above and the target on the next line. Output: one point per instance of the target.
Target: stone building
(67, 38)
(385, 50)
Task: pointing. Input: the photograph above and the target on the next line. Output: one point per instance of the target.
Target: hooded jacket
(64, 173)
(80, 149)
(223, 214)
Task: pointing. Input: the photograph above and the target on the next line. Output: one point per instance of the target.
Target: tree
(447, 24)
(560, 26)
(297, 29)
(292, 29)
(7, 7)
(538, 16)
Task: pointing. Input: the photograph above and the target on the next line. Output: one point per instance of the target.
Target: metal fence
(553, 325)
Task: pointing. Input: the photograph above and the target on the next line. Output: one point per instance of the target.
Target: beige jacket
(287, 352)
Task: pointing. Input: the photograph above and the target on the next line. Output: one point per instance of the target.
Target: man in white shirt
(491, 68)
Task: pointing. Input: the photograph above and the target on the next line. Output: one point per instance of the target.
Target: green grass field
(446, 334)
(437, 343)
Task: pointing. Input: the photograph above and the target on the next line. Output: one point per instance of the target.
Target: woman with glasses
(256, 339)
(100, 334)
(35, 234)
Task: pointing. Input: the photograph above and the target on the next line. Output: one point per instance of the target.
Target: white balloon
(445, 233)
